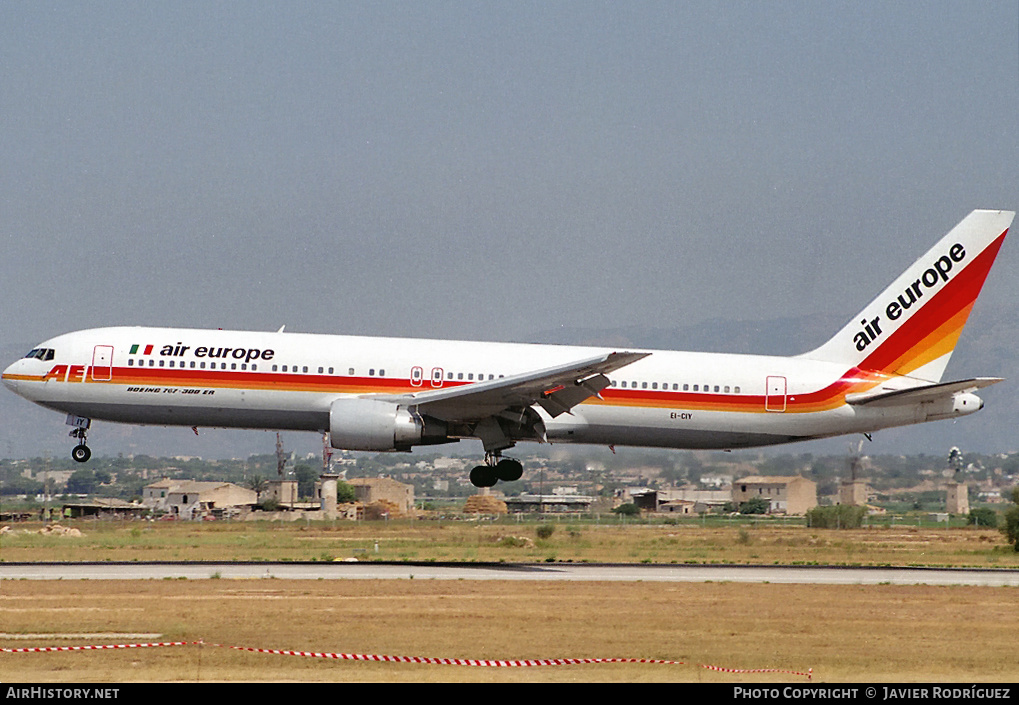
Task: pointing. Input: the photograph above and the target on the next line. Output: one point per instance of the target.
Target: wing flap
(557, 389)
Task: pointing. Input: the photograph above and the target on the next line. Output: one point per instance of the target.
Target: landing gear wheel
(509, 470)
(483, 476)
(81, 453)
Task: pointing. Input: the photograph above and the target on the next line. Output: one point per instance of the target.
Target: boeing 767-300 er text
(883, 369)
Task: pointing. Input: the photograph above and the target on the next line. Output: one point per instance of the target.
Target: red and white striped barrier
(809, 674)
(428, 660)
(451, 661)
(95, 647)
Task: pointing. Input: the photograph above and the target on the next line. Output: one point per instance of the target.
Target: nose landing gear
(81, 452)
(496, 468)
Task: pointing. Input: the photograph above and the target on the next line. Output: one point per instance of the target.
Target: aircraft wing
(556, 389)
(929, 392)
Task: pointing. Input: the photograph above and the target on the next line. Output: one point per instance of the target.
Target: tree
(839, 516)
(306, 476)
(344, 493)
(1011, 526)
(755, 505)
(81, 482)
(983, 516)
(259, 484)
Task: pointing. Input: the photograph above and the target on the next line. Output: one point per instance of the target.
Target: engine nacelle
(372, 424)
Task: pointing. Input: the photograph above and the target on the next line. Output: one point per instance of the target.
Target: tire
(509, 470)
(483, 476)
(81, 453)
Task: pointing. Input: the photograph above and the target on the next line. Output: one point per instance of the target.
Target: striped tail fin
(912, 327)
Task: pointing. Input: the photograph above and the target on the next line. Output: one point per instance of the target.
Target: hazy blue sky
(489, 169)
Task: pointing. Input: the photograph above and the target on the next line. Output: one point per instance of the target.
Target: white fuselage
(216, 378)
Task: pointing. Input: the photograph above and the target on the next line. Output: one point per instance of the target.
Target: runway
(813, 575)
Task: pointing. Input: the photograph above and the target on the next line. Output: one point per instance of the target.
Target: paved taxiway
(576, 572)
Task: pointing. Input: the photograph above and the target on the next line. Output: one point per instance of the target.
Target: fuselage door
(102, 363)
(775, 398)
(416, 376)
(437, 376)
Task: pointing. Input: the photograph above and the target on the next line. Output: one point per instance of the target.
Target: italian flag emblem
(147, 351)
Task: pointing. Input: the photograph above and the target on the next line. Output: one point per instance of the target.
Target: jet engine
(373, 424)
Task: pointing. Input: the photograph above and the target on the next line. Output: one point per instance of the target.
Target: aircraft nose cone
(8, 380)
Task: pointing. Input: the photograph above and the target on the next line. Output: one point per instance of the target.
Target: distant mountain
(987, 348)
(779, 336)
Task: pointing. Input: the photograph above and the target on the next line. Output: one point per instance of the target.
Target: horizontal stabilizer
(913, 395)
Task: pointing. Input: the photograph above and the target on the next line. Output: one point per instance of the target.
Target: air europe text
(245, 354)
(932, 277)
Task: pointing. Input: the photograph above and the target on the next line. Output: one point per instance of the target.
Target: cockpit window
(41, 353)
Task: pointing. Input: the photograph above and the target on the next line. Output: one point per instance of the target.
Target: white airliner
(883, 369)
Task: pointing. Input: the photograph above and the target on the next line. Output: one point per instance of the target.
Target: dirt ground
(839, 633)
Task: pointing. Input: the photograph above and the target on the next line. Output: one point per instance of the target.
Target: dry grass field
(843, 633)
(510, 542)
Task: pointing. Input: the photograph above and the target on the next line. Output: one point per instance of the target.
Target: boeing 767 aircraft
(883, 369)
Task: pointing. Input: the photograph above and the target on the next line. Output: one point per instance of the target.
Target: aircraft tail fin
(912, 327)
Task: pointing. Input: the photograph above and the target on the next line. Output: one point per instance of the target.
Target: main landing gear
(81, 452)
(496, 468)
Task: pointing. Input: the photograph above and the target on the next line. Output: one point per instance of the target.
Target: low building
(284, 492)
(682, 500)
(854, 492)
(154, 495)
(552, 503)
(785, 494)
(679, 506)
(369, 490)
(196, 500)
(104, 507)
